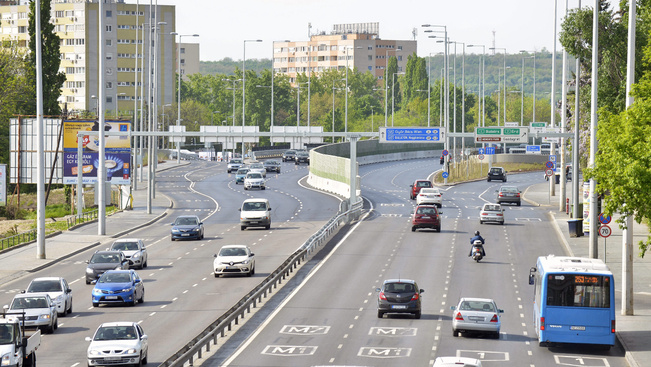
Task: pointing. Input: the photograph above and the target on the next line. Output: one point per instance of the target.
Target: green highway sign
(511, 131)
(488, 131)
(501, 134)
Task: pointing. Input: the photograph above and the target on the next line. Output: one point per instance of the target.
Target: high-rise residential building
(188, 58)
(130, 32)
(356, 45)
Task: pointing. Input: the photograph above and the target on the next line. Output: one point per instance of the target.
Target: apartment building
(130, 32)
(356, 45)
(188, 58)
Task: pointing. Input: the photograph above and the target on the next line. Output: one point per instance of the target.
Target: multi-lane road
(330, 318)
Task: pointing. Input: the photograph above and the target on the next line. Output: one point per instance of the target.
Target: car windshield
(399, 288)
(477, 306)
(270, 163)
(235, 161)
(186, 221)
(115, 278)
(242, 171)
(423, 184)
(257, 165)
(254, 175)
(115, 333)
(45, 286)
(426, 210)
(29, 302)
(492, 208)
(426, 190)
(6, 333)
(232, 251)
(125, 246)
(254, 207)
(105, 258)
(496, 170)
(509, 189)
(289, 152)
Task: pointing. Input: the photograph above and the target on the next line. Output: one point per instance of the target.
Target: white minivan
(255, 213)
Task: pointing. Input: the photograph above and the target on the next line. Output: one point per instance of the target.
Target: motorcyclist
(477, 237)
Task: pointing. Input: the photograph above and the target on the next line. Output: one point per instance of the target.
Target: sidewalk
(21, 260)
(633, 332)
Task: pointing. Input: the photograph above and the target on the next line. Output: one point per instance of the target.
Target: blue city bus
(574, 301)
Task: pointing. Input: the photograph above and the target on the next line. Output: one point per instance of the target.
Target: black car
(497, 173)
(102, 261)
(302, 157)
(289, 155)
(187, 227)
(399, 296)
(272, 166)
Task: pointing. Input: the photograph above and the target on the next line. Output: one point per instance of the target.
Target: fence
(194, 349)
(18, 239)
(82, 218)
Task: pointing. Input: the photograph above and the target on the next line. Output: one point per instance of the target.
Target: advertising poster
(117, 152)
(586, 207)
(3, 185)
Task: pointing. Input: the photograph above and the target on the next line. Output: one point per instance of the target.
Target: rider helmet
(476, 233)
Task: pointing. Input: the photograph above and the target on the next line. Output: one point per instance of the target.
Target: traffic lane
(338, 303)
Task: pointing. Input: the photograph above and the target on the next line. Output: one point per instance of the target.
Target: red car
(415, 188)
(426, 216)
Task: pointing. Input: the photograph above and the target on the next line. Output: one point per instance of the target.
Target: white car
(118, 344)
(234, 259)
(429, 196)
(456, 362)
(58, 290)
(258, 167)
(40, 311)
(491, 213)
(479, 315)
(134, 249)
(254, 180)
(234, 164)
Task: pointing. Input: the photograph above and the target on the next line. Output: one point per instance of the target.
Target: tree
(13, 87)
(52, 79)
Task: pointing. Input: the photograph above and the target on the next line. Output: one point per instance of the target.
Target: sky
(223, 25)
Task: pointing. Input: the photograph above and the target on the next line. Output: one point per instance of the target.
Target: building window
(109, 99)
(370, 47)
(109, 43)
(109, 28)
(370, 57)
(109, 71)
(182, 50)
(109, 14)
(399, 57)
(182, 61)
(22, 29)
(109, 56)
(370, 68)
(109, 85)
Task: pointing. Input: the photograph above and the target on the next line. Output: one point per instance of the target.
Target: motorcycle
(477, 250)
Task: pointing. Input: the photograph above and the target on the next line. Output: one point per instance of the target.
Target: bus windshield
(576, 290)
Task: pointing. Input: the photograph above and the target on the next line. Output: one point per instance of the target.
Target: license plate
(254, 222)
(577, 328)
(185, 234)
(426, 217)
(476, 318)
(112, 358)
(111, 297)
(398, 307)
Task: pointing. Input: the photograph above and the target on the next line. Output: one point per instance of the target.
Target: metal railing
(82, 218)
(194, 349)
(17, 239)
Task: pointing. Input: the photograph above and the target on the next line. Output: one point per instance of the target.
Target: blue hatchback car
(119, 286)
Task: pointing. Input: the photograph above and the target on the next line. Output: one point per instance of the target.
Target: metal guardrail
(82, 218)
(17, 239)
(194, 349)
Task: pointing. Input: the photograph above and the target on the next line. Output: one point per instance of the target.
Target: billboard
(117, 152)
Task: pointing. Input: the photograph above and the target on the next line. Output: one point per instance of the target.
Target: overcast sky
(224, 24)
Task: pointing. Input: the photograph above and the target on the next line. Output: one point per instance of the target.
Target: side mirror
(87, 261)
(68, 290)
(377, 289)
(422, 291)
(252, 254)
(453, 308)
(93, 281)
(23, 291)
(500, 311)
(239, 210)
(215, 255)
(269, 209)
(88, 339)
(531, 282)
(137, 281)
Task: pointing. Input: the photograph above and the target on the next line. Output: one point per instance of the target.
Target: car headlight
(93, 352)
(90, 271)
(245, 262)
(97, 291)
(131, 351)
(59, 299)
(125, 290)
(136, 255)
(175, 230)
(6, 359)
(44, 316)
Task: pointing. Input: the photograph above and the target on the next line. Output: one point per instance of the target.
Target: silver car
(40, 311)
(134, 249)
(234, 259)
(456, 362)
(259, 168)
(234, 164)
(58, 290)
(491, 213)
(479, 315)
(254, 180)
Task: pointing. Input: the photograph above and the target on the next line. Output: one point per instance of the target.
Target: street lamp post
(482, 89)
(533, 116)
(178, 116)
(504, 75)
(393, 95)
(212, 115)
(386, 86)
(244, 90)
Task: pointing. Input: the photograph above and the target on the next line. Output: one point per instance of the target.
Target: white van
(255, 213)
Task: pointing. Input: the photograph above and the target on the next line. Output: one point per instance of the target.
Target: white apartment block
(188, 59)
(126, 65)
(356, 45)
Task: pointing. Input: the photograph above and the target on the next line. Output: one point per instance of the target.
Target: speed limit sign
(549, 172)
(481, 157)
(604, 231)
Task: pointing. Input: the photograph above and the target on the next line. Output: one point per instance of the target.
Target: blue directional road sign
(533, 149)
(412, 135)
(445, 175)
(490, 150)
(480, 151)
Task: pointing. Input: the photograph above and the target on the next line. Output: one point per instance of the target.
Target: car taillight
(517, 195)
(500, 214)
(458, 316)
(542, 323)
(612, 326)
(484, 213)
(382, 296)
(414, 297)
(494, 318)
(501, 194)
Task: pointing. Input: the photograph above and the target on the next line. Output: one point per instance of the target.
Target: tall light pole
(212, 115)
(346, 107)
(244, 90)
(533, 115)
(386, 86)
(309, 67)
(503, 49)
(393, 95)
(273, 71)
(154, 117)
(178, 115)
(482, 90)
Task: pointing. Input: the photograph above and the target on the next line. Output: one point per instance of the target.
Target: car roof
(117, 323)
(476, 299)
(410, 281)
(108, 252)
(127, 240)
(32, 294)
(187, 216)
(255, 200)
(46, 278)
(456, 361)
(234, 246)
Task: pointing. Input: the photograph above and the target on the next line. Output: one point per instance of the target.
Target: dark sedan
(272, 166)
(102, 261)
(289, 155)
(399, 296)
(187, 227)
(509, 194)
(302, 157)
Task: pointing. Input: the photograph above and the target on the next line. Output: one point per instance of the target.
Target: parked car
(259, 168)
(254, 180)
(134, 249)
(479, 315)
(118, 286)
(302, 156)
(416, 186)
(187, 227)
(40, 311)
(234, 164)
(491, 213)
(234, 259)
(429, 195)
(426, 216)
(255, 213)
(102, 261)
(497, 173)
(240, 175)
(509, 194)
(58, 290)
(272, 165)
(456, 362)
(289, 155)
(399, 296)
(118, 344)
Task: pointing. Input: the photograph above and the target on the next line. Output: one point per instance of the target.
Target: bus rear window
(576, 290)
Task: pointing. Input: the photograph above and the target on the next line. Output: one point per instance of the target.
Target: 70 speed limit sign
(604, 231)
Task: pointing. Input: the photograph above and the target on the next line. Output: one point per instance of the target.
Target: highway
(331, 318)
(181, 294)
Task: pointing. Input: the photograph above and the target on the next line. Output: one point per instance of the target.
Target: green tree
(13, 87)
(52, 79)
